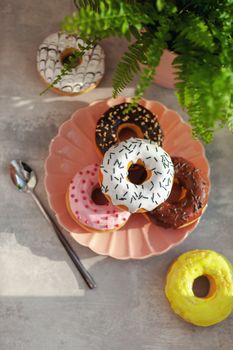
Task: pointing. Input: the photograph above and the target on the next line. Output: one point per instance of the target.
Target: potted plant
(199, 33)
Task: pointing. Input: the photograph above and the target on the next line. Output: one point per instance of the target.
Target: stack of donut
(136, 176)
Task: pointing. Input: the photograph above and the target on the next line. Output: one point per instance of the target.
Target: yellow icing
(218, 304)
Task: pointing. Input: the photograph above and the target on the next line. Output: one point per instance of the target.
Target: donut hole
(178, 192)
(137, 173)
(98, 197)
(203, 286)
(127, 130)
(68, 55)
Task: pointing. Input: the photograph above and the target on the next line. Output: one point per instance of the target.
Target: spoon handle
(74, 257)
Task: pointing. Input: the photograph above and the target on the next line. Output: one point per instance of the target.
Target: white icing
(86, 75)
(151, 192)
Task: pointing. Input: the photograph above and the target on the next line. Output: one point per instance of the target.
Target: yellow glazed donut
(218, 304)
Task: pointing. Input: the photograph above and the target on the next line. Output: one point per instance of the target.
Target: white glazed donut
(82, 78)
(116, 185)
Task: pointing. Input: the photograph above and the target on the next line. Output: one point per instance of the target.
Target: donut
(148, 192)
(115, 125)
(102, 217)
(56, 50)
(217, 304)
(187, 200)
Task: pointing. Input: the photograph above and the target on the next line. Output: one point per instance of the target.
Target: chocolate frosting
(189, 208)
(109, 123)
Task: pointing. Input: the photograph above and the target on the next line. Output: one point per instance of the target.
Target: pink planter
(165, 72)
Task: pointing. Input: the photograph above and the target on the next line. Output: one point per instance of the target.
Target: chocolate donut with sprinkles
(119, 187)
(121, 122)
(188, 197)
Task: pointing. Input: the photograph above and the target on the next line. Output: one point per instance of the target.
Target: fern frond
(195, 30)
(230, 122)
(94, 4)
(113, 18)
(126, 69)
(207, 96)
(153, 55)
(129, 64)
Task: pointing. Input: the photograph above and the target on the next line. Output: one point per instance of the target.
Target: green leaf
(160, 4)
(125, 27)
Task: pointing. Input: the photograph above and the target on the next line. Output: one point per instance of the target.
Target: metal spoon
(25, 180)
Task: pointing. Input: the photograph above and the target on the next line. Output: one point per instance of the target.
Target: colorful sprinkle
(106, 130)
(81, 197)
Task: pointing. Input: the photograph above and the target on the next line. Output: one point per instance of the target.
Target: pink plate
(74, 148)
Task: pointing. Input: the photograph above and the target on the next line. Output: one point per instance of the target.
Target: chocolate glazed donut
(137, 122)
(187, 200)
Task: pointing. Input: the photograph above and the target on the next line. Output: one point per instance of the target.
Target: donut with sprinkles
(94, 217)
(141, 196)
(188, 197)
(138, 121)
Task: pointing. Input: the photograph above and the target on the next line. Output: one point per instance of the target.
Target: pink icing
(98, 217)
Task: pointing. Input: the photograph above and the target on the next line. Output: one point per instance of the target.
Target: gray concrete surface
(44, 303)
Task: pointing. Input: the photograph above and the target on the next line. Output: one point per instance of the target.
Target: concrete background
(44, 303)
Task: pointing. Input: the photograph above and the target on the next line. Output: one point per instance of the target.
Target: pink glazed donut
(81, 202)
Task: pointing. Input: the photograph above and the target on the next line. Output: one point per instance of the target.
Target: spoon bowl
(22, 176)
